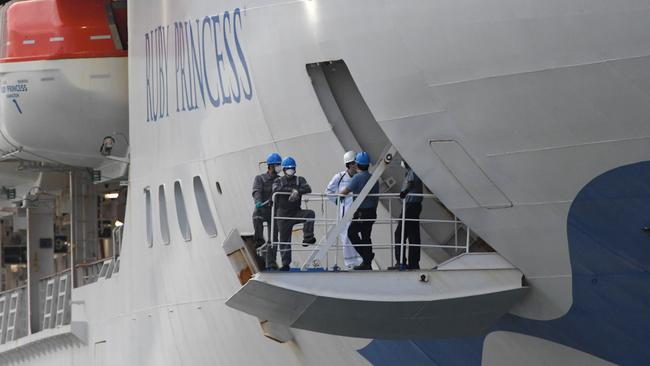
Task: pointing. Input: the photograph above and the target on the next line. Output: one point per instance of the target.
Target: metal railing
(13, 314)
(104, 268)
(55, 294)
(87, 273)
(326, 220)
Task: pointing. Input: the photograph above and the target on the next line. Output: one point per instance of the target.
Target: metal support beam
(326, 242)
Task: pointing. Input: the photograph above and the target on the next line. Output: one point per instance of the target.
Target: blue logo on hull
(610, 261)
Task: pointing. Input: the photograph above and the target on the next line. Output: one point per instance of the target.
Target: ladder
(3, 307)
(11, 319)
(49, 303)
(61, 300)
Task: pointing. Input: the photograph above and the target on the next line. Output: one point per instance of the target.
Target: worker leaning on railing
(290, 206)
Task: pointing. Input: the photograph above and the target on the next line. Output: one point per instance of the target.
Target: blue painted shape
(610, 261)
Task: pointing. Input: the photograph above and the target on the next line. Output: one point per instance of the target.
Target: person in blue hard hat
(262, 192)
(288, 206)
(360, 232)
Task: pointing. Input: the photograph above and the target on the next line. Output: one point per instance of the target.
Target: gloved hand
(259, 204)
(403, 194)
(295, 196)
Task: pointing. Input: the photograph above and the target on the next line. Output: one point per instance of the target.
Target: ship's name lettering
(14, 88)
(207, 63)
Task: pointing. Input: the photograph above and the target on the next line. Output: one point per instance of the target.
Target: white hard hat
(349, 157)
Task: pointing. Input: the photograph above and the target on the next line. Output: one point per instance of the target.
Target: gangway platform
(462, 297)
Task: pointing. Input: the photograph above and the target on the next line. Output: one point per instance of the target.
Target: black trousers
(359, 233)
(411, 234)
(260, 216)
(286, 227)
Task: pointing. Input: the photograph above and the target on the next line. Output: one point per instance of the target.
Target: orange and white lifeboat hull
(63, 81)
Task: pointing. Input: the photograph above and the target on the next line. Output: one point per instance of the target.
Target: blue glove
(259, 204)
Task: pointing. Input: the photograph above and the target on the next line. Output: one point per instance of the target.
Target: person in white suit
(338, 182)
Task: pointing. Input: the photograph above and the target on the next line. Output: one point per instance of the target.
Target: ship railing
(90, 272)
(55, 294)
(327, 208)
(117, 234)
(13, 314)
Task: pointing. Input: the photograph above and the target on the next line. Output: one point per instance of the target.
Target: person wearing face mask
(262, 191)
(340, 181)
(289, 205)
(411, 184)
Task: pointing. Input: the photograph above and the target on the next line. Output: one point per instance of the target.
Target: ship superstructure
(527, 122)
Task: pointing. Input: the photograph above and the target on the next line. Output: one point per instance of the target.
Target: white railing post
(338, 239)
(467, 239)
(392, 247)
(455, 233)
(269, 243)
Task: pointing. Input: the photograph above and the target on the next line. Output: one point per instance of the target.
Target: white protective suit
(339, 181)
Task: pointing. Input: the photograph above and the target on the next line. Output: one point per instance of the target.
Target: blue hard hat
(273, 158)
(288, 163)
(362, 158)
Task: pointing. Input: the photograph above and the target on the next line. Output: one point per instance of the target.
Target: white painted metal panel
(469, 174)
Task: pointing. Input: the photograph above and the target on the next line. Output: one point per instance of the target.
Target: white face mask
(402, 164)
(290, 172)
(278, 169)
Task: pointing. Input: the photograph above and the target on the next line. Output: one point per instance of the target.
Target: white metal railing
(13, 314)
(326, 221)
(117, 234)
(54, 295)
(86, 273)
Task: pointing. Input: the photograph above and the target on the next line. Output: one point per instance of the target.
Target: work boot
(363, 267)
(306, 242)
(285, 268)
(272, 267)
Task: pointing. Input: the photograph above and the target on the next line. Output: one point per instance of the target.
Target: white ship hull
(542, 96)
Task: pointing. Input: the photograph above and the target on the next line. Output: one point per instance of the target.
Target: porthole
(164, 224)
(181, 212)
(148, 216)
(204, 207)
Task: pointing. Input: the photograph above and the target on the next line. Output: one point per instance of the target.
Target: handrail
(54, 274)
(90, 264)
(5, 292)
(326, 198)
(116, 236)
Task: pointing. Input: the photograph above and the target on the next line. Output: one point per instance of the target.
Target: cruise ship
(131, 132)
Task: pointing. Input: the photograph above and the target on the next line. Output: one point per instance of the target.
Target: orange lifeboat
(71, 29)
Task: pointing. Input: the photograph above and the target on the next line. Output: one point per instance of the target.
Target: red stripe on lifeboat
(60, 29)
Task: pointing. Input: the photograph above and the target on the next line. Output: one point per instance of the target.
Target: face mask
(402, 164)
(278, 169)
(290, 172)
